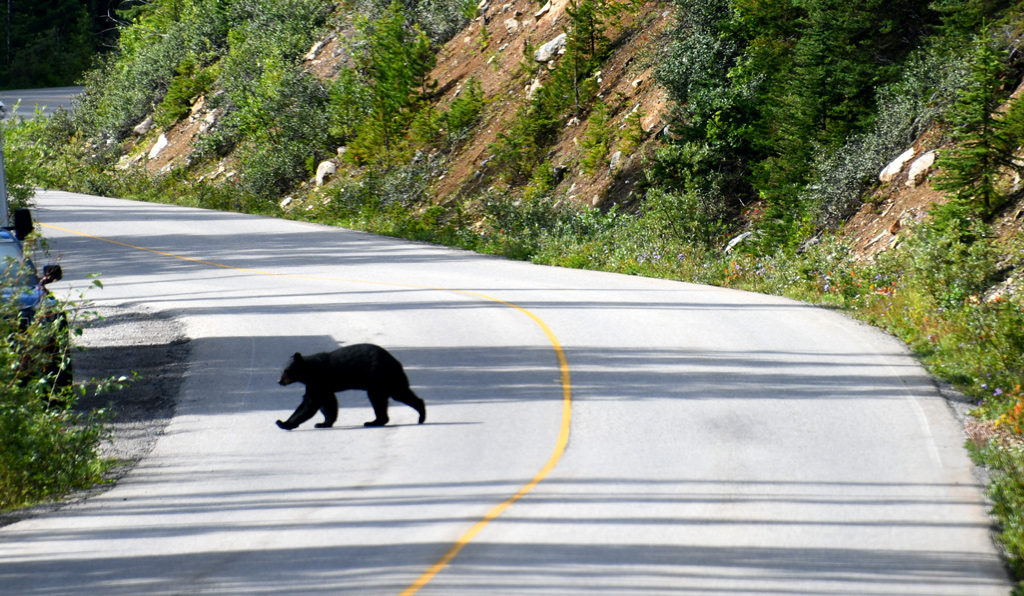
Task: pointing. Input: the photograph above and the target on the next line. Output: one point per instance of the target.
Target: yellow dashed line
(494, 513)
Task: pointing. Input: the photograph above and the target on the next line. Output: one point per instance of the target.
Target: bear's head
(293, 371)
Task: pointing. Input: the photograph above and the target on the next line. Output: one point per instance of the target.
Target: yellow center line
(497, 510)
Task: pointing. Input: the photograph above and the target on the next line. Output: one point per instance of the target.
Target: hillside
(490, 50)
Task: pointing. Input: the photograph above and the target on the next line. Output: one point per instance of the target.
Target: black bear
(362, 366)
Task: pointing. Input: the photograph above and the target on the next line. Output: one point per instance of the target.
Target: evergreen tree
(985, 141)
(396, 61)
(45, 44)
(843, 52)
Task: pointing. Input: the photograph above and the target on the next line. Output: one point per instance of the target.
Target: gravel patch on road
(151, 350)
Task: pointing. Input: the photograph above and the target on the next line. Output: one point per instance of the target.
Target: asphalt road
(24, 102)
(587, 433)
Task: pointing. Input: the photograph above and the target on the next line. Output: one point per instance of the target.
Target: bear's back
(361, 366)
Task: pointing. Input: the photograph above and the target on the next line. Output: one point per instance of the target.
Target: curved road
(587, 433)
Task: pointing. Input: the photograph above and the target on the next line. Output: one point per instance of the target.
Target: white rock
(615, 161)
(920, 168)
(732, 243)
(159, 146)
(532, 88)
(547, 51)
(143, 127)
(313, 51)
(325, 170)
(896, 166)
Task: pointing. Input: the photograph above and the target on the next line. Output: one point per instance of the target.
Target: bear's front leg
(304, 412)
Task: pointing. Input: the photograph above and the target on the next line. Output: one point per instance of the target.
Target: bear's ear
(297, 357)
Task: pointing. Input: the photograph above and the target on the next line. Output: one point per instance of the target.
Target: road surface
(24, 102)
(587, 433)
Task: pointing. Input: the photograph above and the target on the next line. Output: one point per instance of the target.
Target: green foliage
(440, 20)
(46, 44)
(1006, 489)
(46, 450)
(464, 112)
(633, 131)
(567, 91)
(951, 257)
(276, 113)
(349, 105)
(764, 88)
(24, 149)
(396, 60)
(686, 217)
(905, 109)
(123, 89)
(521, 146)
(986, 142)
(596, 139)
(962, 19)
(190, 83)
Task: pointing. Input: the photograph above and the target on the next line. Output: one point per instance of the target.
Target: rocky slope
(492, 49)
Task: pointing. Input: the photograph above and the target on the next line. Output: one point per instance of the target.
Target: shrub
(905, 108)
(123, 88)
(950, 257)
(596, 139)
(187, 86)
(464, 112)
(46, 450)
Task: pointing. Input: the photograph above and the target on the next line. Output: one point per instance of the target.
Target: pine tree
(396, 62)
(985, 141)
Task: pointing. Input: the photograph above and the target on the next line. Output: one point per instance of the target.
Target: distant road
(48, 100)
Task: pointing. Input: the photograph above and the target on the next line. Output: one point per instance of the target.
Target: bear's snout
(285, 379)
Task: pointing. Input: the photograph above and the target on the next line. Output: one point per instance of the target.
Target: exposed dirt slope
(493, 50)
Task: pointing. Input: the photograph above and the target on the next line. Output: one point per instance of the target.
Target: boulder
(896, 166)
(732, 243)
(313, 51)
(143, 127)
(159, 146)
(548, 51)
(615, 161)
(325, 170)
(920, 169)
(532, 88)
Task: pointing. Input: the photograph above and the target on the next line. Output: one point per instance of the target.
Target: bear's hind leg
(407, 397)
(329, 406)
(379, 401)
